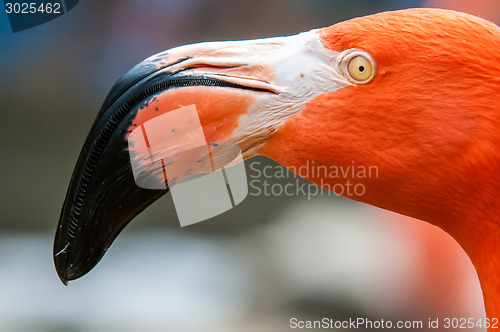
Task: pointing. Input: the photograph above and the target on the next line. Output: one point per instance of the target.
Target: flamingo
(412, 92)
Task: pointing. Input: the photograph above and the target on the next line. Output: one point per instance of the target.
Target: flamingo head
(426, 120)
(411, 93)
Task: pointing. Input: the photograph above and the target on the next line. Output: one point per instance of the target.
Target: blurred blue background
(250, 269)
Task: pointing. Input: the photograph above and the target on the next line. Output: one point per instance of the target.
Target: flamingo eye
(360, 69)
(358, 66)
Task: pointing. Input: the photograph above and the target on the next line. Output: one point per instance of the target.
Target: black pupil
(361, 68)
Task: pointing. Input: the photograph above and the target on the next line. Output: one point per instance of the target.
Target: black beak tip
(102, 196)
(62, 274)
(60, 263)
(63, 280)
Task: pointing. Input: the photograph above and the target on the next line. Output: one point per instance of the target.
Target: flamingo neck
(475, 225)
(482, 244)
(474, 221)
(480, 238)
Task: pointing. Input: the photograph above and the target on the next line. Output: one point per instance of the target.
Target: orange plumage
(429, 120)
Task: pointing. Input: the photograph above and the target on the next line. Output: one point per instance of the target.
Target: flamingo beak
(235, 86)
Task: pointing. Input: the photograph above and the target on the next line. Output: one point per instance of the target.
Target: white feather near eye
(303, 69)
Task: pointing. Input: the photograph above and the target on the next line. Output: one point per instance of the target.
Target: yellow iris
(360, 68)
